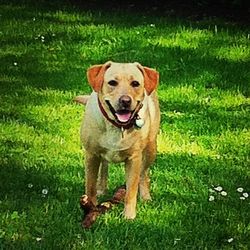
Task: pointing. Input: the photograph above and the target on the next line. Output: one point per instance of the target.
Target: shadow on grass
(203, 119)
(179, 215)
(45, 67)
(176, 66)
(22, 185)
(28, 212)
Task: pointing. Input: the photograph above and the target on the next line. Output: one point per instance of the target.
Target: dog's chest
(115, 144)
(113, 156)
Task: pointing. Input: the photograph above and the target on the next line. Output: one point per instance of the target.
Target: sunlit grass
(185, 38)
(190, 38)
(204, 140)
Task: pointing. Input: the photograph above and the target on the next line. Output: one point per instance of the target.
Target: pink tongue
(123, 117)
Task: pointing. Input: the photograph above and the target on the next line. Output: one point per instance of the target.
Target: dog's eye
(113, 83)
(135, 84)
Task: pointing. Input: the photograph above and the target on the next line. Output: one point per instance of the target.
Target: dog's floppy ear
(151, 78)
(95, 75)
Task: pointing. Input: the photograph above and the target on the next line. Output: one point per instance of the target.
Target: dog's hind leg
(92, 164)
(132, 169)
(102, 182)
(144, 186)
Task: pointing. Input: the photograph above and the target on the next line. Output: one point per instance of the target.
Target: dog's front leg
(92, 164)
(133, 167)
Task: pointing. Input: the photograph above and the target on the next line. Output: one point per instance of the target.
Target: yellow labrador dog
(120, 124)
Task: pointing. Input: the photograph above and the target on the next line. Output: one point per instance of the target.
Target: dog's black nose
(125, 101)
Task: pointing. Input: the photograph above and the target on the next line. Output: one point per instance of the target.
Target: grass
(204, 140)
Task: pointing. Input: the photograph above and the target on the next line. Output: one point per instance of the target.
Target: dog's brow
(117, 78)
(125, 77)
(131, 77)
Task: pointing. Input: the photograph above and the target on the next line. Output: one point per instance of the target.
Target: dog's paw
(146, 198)
(129, 214)
(145, 194)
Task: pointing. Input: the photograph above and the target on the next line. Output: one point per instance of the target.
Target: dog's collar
(122, 126)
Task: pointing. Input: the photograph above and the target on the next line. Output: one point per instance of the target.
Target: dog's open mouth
(123, 115)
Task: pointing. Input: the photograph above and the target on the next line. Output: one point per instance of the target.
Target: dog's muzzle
(124, 113)
(124, 117)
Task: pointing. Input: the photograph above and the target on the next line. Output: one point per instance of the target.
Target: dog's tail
(82, 99)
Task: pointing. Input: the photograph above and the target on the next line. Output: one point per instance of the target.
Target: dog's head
(121, 87)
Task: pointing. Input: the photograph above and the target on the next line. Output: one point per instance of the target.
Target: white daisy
(223, 193)
(245, 195)
(211, 198)
(45, 191)
(219, 188)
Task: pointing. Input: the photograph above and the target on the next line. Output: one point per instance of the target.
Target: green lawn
(204, 140)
